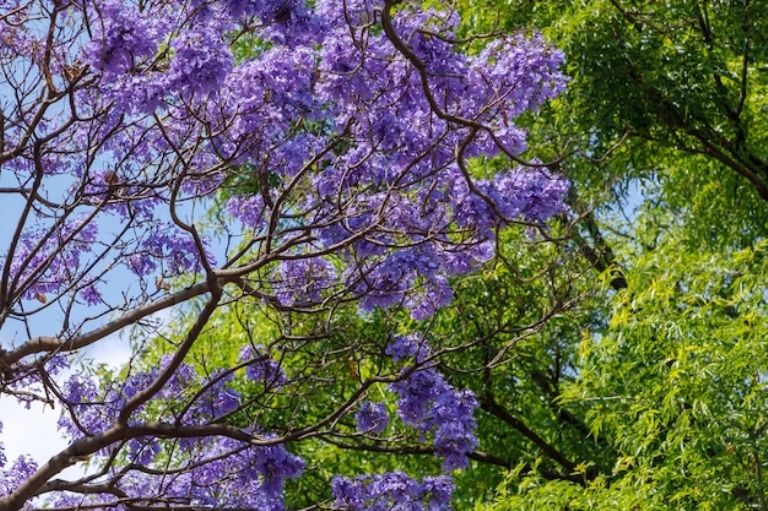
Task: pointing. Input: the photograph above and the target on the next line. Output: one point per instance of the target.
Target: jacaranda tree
(300, 155)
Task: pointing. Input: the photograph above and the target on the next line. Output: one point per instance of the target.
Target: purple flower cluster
(435, 408)
(393, 491)
(46, 261)
(93, 408)
(222, 471)
(168, 251)
(201, 63)
(262, 369)
(14, 475)
(372, 418)
(430, 404)
(2, 449)
(303, 280)
(214, 473)
(123, 38)
(408, 346)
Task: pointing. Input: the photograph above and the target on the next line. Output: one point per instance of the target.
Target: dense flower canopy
(331, 144)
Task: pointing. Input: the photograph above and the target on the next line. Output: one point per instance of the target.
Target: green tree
(676, 386)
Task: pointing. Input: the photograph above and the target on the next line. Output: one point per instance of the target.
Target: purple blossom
(91, 295)
(152, 70)
(202, 62)
(393, 491)
(262, 368)
(428, 403)
(372, 418)
(123, 37)
(248, 210)
(47, 259)
(304, 280)
(174, 253)
(219, 400)
(289, 22)
(408, 346)
(276, 464)
(14, 475)
(143, 450)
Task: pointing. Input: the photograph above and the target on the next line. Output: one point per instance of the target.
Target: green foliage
(676, 386)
